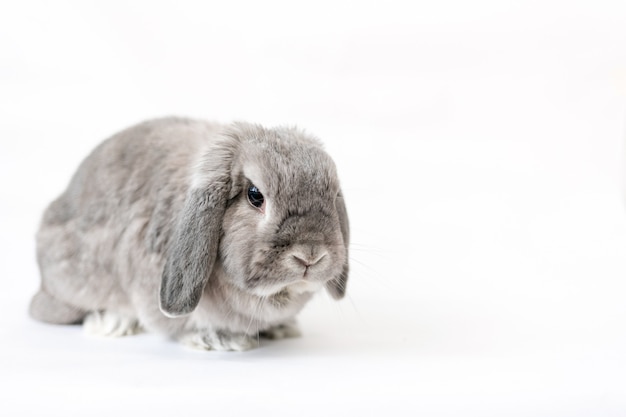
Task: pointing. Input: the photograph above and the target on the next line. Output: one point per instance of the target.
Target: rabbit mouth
(298, 287)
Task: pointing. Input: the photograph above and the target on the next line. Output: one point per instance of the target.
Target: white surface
(480, 148)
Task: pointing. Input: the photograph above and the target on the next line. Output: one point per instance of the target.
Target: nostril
(302, 261)
(308, 261)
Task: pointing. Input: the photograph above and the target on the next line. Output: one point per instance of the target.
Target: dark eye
(255, 197)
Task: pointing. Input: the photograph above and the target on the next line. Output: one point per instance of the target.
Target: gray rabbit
(211, 234)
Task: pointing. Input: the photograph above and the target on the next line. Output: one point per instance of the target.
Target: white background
(480, 149)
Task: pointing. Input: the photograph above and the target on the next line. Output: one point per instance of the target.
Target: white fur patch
(108, 324)
(303, 286)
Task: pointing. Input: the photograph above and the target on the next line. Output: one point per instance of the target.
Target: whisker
(258, 334)
(255, 312)
(363, 246)
(226, 302)
(354, 307)
(366, 271)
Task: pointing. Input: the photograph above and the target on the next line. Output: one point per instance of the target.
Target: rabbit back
(99, 243)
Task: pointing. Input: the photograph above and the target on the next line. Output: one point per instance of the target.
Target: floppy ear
(194, 246)
(337, 286)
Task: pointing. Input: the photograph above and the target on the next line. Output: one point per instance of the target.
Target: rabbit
(210, 234)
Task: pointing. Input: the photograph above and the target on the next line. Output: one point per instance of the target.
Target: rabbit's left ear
(337, 286)
(194, 247)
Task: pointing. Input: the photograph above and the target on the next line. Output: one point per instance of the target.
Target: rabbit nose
(308, 261)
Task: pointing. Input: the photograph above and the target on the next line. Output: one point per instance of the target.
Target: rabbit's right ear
(194, 246)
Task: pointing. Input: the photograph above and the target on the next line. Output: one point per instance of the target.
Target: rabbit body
(155, 232)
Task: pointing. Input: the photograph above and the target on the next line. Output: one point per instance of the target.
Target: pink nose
(308, 261)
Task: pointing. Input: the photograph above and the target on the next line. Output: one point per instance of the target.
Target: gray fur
(337, 286)
(155, 229)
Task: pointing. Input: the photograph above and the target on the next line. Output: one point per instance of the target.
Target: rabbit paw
(108, 324)
(218, 340)
(282, 331)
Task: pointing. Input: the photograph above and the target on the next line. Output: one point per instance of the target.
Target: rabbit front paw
(218, 340)
(285, 330)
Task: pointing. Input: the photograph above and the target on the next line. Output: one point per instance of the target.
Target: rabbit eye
(255, 197)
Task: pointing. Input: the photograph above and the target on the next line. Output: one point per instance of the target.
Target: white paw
(107, 324)
(282, 331)
(218, 340)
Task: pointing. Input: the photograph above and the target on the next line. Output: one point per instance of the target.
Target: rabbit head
(267, 204)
